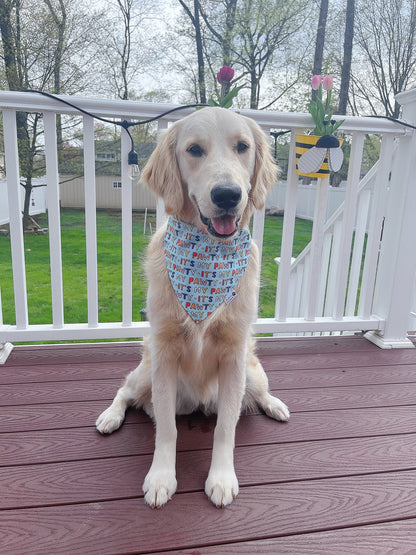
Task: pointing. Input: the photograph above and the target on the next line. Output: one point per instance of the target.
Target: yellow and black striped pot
(304, 143)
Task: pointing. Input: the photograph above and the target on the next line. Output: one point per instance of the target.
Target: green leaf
(227, 101)
(319, 95)
(328, 100)
(320, 112)
(313, 111)
(330, 114)
(337, 124)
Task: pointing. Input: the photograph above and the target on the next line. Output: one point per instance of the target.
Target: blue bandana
(204, 272)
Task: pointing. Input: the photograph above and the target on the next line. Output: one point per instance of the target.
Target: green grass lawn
(109, 267)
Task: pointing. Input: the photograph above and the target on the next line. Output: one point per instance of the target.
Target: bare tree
(125, 7)
(34, 39)
(386, 35)
(16, 75)
(264, 26)
(120, 42)
(221, 26)
(59, 17)
(195, 20)
(213, 32)
(245, 34)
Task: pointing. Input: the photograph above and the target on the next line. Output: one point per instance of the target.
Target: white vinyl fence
(37, 199)
(318, 293)
(276, 198)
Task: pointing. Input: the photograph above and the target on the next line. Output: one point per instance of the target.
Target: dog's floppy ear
(265, 170)
(161, 172)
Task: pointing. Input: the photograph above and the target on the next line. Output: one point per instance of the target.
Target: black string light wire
(132, 155)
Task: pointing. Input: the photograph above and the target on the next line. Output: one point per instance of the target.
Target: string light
(133, 158)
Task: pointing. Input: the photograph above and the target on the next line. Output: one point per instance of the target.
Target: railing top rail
(29, 101)
(351, 123)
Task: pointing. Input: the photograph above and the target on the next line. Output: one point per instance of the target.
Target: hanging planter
(317, 156)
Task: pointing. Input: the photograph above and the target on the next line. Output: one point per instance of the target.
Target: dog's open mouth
(221, 226)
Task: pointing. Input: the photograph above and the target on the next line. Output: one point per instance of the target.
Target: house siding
(108, 197)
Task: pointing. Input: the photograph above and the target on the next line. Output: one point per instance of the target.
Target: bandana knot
(204, 272)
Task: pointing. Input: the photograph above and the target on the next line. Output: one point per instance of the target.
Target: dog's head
(212, 169)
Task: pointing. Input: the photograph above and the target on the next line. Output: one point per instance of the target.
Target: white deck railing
(330, 299)
(323, 291)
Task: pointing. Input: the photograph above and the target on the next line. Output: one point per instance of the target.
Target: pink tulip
(316, 81)
(328, 82)
(225, 74)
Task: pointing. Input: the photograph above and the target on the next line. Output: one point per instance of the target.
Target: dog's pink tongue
(225, 225)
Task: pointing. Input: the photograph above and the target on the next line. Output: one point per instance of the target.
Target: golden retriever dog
(212, 169)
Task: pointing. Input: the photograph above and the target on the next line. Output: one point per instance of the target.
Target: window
(116, 184)
(105, 156)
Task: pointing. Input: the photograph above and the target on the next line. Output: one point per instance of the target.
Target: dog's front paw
(158, 487)
(275, 408)
(109, 420)
(221, 487)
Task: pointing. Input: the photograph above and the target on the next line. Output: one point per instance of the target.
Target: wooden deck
(340, 477)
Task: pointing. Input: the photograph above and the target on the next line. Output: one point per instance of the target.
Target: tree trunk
(125, 56)
(26, 205)
(194, 17)
(346, 63)
(200, 55)
(320, 42)
(253, 91)
(231, 6)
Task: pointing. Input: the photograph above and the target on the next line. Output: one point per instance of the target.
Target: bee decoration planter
(318, 156)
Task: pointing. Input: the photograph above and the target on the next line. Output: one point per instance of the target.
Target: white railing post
(90, 220)
(317, 242)
(348, 219)
(126, 231)
(397, 263)
(288, 233)
(15, 212)
(375, 225)
(54, 219)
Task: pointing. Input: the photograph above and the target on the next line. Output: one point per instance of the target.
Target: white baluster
(90, 221)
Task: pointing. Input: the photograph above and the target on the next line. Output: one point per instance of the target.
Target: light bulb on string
(134, 165)
(134, 172)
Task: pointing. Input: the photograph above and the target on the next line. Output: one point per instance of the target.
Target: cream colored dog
(212, 169)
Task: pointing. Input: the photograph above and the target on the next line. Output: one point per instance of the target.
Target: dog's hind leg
(257, 392)
(136, 390)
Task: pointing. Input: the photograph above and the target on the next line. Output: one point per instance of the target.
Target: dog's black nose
(226, 196)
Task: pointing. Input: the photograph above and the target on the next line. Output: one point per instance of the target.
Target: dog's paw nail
(222, 489)
(158, 488)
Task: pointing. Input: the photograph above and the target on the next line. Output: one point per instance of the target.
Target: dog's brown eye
(241, 147)
(196, 151)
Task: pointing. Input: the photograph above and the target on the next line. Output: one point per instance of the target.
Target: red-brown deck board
(339, 477)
